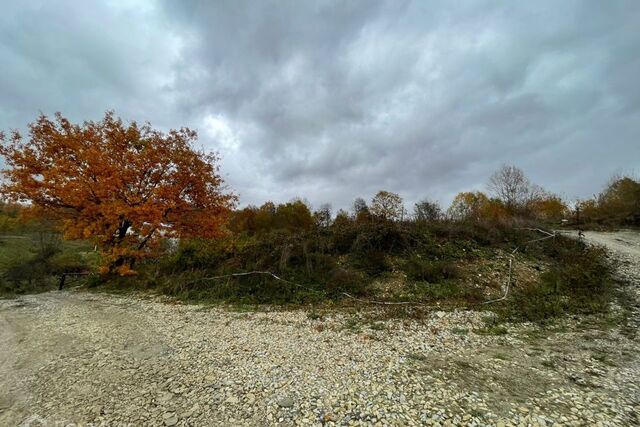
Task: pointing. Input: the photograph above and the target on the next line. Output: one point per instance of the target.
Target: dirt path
(83, 358)
(625, 242)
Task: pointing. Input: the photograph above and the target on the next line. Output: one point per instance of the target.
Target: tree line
(129, 188)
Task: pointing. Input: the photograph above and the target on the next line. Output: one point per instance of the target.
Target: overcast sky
(332, 100)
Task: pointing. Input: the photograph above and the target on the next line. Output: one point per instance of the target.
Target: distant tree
(510, 185)
(619, 203)
(548, 207)
(123, 185)
(468, 205)
(360, 205)
(294, 216)
(342, 219)
(360, 209)
(265, 216)
(387, 205)
(586, 211)
(322, 215)
(427, 210)
(244, 220)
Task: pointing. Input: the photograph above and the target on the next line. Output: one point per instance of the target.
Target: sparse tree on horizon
(387, 205)
(510, 185)
(427, 210)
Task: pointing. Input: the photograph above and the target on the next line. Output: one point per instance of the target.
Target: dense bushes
(579, 282)
(325, 262)
(362, 256)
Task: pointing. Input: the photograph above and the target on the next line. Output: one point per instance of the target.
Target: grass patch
(496, 330)
(432, 271)
(451, 291)
(34, 262)
(460, 331)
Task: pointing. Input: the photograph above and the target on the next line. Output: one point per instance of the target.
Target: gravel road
(94, 359)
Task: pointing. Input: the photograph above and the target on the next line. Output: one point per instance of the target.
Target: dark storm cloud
(82, 58)
(334, 100)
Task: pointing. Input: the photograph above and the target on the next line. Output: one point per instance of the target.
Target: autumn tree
(342, 219)
(294, 216)
(548, 207)
(244, 220)
(124, 185)
(467, 205)
(265, 216)
(586, 211)
(619, 203)
(427, 210)
(387, 205)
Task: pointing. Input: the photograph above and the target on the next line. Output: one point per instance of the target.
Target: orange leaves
(477, 206)
(549, 208)
(123, 184)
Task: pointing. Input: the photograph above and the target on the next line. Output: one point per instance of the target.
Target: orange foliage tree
(476, 206)
(468, 205)
(549, 207)
(124, 185)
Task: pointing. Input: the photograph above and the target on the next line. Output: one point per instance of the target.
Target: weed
(314, 315)
(377, 326)
(548, 364)
(353, 324)
(417, 357)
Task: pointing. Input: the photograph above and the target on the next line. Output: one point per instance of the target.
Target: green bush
(372, 263)
(323, 264)
(380, 236)
(66, 262)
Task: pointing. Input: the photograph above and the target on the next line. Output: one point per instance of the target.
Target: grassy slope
(20, 249)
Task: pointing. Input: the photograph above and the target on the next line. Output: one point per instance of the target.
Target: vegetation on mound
(419, 263)
(159, 213)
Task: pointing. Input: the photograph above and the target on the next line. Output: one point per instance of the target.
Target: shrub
(421, 269)
(66, 262)
(579, 283)
(372, 263)
(380, 235)
(343, 280)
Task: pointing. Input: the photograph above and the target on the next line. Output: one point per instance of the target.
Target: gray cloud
(333, 100)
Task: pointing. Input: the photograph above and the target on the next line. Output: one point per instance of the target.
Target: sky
(333, 100)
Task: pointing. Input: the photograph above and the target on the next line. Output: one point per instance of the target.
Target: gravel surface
(96, 359)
